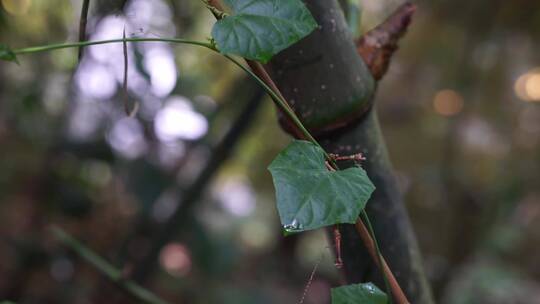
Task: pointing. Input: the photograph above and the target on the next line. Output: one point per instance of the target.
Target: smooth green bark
(331, 90)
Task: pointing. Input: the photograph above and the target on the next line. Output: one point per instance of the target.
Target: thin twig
(367, 223)
(51, 47)
(293, 122)
(125, 84)
(372, 249)
(82, 25)
(310, 280)
(133, 289)
(259, 70)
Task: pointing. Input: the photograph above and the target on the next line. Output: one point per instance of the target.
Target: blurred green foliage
(470, 174)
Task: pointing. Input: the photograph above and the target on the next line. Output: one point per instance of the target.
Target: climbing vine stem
(371, 246)
(51, 47)
(280, 102)
(367, 222)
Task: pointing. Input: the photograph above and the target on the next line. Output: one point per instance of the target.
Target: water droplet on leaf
(293, 227)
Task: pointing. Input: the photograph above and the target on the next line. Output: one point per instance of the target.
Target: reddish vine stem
(368, 241)
(337, 240)
(371, 247)
(260, 71)
(364, 234)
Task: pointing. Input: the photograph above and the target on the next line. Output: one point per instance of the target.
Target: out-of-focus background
(460, 110)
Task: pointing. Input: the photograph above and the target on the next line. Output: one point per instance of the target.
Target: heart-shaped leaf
(7, 54)
(260, 29)
(309, 196)
(366, 293)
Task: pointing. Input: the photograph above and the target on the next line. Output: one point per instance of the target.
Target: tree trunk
(331, 89)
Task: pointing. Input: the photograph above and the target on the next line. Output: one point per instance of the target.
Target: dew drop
(294, 226)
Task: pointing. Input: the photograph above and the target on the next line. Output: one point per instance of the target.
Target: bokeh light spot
(532, 87)
(127, 138)
(110, 27)
(159, 62)
(95, 80)
(448, 102)
(527, 86)
(175, 259)
(237, 197)
(16, 7)
(178, 120)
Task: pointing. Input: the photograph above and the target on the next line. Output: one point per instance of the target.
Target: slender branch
(259, 73)
(367, 222)
(396, 289)
(300, 131)
(310, 281)
(125, 83)
(50, 47)
(372, 249)
(133, 289)
(264, 80)
(82, 25)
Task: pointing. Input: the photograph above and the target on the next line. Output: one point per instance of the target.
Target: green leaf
(7, 54)
(309, 196)
(366, 293)
(260, 29)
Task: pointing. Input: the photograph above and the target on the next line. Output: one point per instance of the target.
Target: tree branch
(114, 275)
(378, 45)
